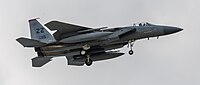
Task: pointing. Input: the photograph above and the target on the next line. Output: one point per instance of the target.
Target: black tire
(88, 62)
(131, 52)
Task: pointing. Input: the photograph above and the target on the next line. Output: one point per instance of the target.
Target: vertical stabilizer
(38, 32)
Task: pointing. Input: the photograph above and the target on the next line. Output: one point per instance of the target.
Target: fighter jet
(84, 45)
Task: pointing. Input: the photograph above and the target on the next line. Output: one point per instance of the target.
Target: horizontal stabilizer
(40, 61)
(30, 42)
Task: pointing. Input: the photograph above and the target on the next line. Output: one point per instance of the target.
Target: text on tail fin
(38, 32)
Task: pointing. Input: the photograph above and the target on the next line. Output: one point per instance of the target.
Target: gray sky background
(170, 60)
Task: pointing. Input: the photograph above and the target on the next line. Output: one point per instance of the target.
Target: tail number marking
(39, 30)
(42, 37)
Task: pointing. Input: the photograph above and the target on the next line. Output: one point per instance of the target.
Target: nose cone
(170, 30)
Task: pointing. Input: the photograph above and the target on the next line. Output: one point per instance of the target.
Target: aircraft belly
(61, 49)
(100, 56)
(56, 54)
(104, 56)
(85, 37)
(62, 53)
(114, 46)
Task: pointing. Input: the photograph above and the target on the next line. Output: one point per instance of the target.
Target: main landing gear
(130, 44)
(85, 48)
(88, 61)
(83, 52)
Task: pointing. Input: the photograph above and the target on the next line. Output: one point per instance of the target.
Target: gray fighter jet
(83, 45)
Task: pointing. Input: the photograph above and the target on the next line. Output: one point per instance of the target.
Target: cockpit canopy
(142, 24)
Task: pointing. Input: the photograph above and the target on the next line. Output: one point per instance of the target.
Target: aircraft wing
(64, 28)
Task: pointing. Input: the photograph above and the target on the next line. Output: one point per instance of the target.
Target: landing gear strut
(130, 44)
(88, 61)
(84, 50)
(86, 47)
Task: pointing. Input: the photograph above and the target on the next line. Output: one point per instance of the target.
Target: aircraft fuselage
(105, 40)
(83, 45)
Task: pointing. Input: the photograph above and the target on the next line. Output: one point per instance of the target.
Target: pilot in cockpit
(145, 24)
(142, 24)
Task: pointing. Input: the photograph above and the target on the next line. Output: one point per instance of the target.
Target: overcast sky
(170, 60)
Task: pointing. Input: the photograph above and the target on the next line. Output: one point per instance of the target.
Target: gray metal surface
(72, 39)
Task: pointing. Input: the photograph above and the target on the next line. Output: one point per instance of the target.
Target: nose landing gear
(130, 44)
(130, 52)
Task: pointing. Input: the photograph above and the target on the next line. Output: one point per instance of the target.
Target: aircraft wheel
(131, 52)
(88, 62)
(82, 52)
